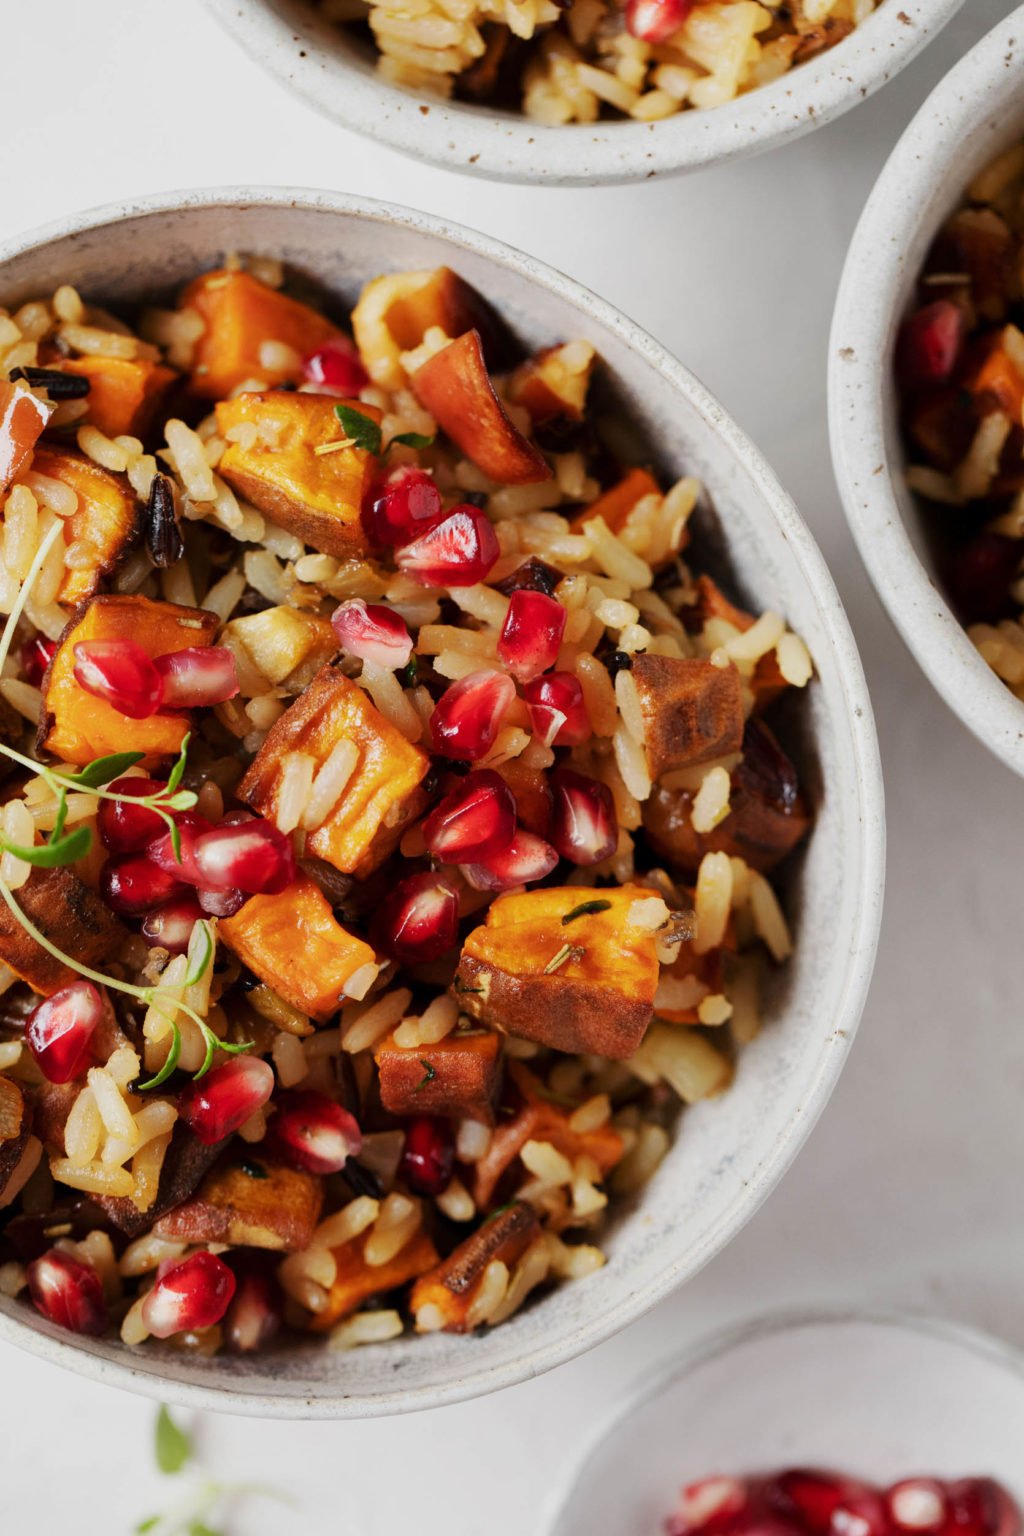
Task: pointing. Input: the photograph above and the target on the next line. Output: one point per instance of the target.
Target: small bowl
(976, 111)
(334, 71)
(730, 1152)
(877, 1397)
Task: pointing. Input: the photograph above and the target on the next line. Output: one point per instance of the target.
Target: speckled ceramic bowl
(334, 71)
(976, 111)
(730, 1152)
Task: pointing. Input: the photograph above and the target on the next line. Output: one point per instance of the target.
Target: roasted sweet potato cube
(22, 419)
(692, 709)
(454, 386)
(397, 310)
(553, 385)
(442, 1298)
(292, 469)
(379, 795)
(294, 943)
(618, 502)
(356, 1281)
(124, 393)
(581, 982)
(254, 1204)
(71, 916)
(460, 1076)
(284, 644)
(712, 603)
(186, 1163)
(104, 525)
(12, 1110)
(240, 313)
(76, 726)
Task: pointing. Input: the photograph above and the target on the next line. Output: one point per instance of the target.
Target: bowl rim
(723, 1341)
(510, 147)
(904, 202)
(334, 1403)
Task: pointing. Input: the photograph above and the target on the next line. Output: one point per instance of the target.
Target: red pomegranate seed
(860, 1513)
(583, 820)
(812, 1497)
(59, 1030)
(68, 1292)
(256, 1312)
(531, 634)
(406, 503)
(527, 858)
(171, 926)
(929, 344)
(981, 573)
(36, 656)
(311, 1131)
(124, 827)
(219, 1103)
(335, 368)
(711, 1504)
(180, 862)
(251, 856)
(469, 714)
(373, 633)
(193, 1294)
(197, 676)
(980, 1507)
(222, 903)
(418, 920)
(477, 819)
(558, 714)
(458, 552)
(654, 21)
(428, 1156)
(120, 673)
(918, 1504)
(134, 885)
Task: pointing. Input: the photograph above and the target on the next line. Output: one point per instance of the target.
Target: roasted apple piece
(251, 1204)
(103, 527)
(124, 393)
(239, 314)
(397, 310)
(356, 1280)
(460, 1076)
(286, 645)
(71, 916)
(442, 1299)
(22, 419)
(552, 386)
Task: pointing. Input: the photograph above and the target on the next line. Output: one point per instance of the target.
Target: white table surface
(910, 1190)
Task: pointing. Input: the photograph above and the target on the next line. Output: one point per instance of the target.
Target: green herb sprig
(366, 433)
(204, 1500)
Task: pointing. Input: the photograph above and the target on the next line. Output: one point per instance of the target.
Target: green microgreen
(412, 440)
(203, 1499)
(172, 1446)
(585, 909)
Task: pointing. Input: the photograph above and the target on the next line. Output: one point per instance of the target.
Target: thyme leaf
(363, 430)
(567, 952)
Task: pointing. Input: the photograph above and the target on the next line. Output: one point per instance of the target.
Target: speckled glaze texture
(335, 73)
(974, 113)
(730, 1152)
(905, 1396)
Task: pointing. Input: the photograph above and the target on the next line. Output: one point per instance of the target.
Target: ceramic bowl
(976, 111)
(730, 1152)
(876, 1397)
(334, 71)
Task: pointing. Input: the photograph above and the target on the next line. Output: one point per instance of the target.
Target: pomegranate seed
(710, 1504)
(917, 1504)
(59, 1030)
(123, 827)
(251, 856)
(134, 885)
(68, 1292)
(36, 656)
(929, 344)
(654, 21)
(469, 714)
(120, 673)
(458, 552)
(171, 926)
(418, 920)
(531, 634)
(219, 1103)
(222, 903)
(256, 1312)
(335, 368)
(812, 1497)
(558, 714)
(193, 1294)
(981, 573)
(373, 633)
(428, 1156)
(311, 1131)
(980, 1507)
(478, 818)
(860, 1513)
(583, 820)
(162, 852)
(198, 676)
(408, 502)
(527, 858)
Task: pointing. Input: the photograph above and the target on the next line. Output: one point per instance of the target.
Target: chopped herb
(412, 440)
(254, 1170)
(567, 952)
(364, 432)
(429, 1073)
(410, 673)
(458, 985)
(168, 1066)
(585, 909)
(172, 1445)
(58, 385)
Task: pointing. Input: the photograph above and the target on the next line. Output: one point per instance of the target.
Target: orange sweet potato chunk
(768, 682)
(294, 943)
(552, 386)
(124, 393)
(104, 525)
(356, 1281)
(240, 313)
(460, 1076)
(396, 311)
(276, 1209)
(442, 1298)
(618, 502)
(381, 793)
(71, 916)
(315, 495)
(692, 709)
(22, 419)
(78, 727)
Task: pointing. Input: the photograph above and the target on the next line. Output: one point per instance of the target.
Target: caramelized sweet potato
(454, 386)
(22, 419)
(252, 1204)
(442, 1298)
(315, 494)
(692, 709)
(185, 1165)
(240, 313)
(998, 381)
(78, 727)
(67, 913)
(586, 984)
(294, 943)
(552, 386)
(124, 393)
(537, 1118)
(104, 525)
(356, 1281)
(460, 1076)
(12, 1110)
(286, 645)
(397, 310)
(618, 502)
(367, 818)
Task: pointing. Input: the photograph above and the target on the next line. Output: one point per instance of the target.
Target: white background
(910, 1190)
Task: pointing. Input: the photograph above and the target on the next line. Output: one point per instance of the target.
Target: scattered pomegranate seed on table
(59, 1031)
(217, 1104)
(194, 1293)
(68, 1292)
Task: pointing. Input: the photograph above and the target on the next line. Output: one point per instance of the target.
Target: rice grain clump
(591, 59)
(391, 814)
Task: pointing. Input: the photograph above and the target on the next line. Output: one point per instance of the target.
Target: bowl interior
(729, 1152)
